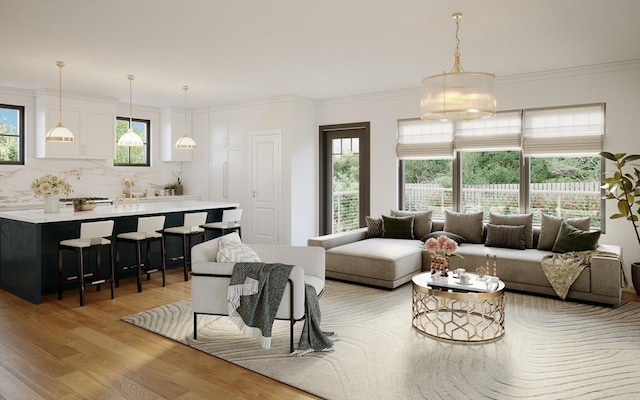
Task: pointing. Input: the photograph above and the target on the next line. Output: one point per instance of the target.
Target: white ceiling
(230, 51)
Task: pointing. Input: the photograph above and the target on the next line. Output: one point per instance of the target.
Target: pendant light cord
(130, 77)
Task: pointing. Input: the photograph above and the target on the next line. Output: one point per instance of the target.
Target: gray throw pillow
(469, 226)
(508, 236)
(374, 227)
(421, 221)
(516, 220)
(574, 239)
(550, 225)
(397, 227)
(457, 238)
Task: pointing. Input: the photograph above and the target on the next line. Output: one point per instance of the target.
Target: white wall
(618, 85)
(97, 178)
(295, 118)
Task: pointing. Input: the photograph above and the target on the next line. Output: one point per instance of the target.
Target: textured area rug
(552, 349)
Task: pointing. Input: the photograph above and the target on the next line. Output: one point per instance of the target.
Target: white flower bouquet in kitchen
(50, 185)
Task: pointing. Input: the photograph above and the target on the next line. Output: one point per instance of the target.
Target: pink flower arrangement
(442, 246)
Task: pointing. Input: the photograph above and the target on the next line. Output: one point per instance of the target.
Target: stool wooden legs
(81, 277)
(142, 267)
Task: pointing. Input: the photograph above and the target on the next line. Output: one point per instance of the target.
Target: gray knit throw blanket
(313, 338)
(254, 294)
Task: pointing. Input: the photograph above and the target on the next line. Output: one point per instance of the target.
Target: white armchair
(210, 279)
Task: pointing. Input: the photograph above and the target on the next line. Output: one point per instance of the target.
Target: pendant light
(130, 138)
(185, 142)
(458, 95)
(60, 133)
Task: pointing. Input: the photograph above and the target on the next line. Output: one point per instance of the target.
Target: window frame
(147, 143)
(525, 163)
(20, 134)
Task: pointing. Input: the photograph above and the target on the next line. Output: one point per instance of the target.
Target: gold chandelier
(59, 133)
(457, 95)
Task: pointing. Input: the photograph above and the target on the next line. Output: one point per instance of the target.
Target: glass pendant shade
(60, 133)
(457, 95)
(185, 142)
(130, 138)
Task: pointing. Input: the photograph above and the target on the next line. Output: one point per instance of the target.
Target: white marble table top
(67, 214)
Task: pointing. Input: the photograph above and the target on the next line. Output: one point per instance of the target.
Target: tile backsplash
(89, 178)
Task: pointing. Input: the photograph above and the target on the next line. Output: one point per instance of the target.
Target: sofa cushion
(384, 259)
(457, 238)
(550, 225)
(516, 220)
(397, 227)
(374, 227)
(574, 239)
(469, 226)
(508, 236)
(518, 267)
(421, 221)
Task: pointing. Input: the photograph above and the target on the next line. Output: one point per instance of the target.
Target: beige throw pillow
(550, 226)
(469, 226)
(516, 220)
(231, 250)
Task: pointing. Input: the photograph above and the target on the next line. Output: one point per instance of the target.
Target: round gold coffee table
(447, 309)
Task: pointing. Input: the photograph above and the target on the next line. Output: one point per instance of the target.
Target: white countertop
(156, 207)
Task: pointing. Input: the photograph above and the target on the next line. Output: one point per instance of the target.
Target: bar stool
(93, 236)
(146, 232)
(190, 229)
(230, 222)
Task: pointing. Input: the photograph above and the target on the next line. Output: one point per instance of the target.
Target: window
(490, 182)
(11, 134)
(537, 161)
(133, 156)
(428, 186)
(566, 187)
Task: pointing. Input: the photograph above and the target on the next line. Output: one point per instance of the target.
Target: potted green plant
(623, 185)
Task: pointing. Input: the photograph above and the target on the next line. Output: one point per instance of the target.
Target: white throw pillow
(230, 250)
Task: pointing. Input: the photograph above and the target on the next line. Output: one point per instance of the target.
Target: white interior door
(265, 187)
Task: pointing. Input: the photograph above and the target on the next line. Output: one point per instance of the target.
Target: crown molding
(74, 95)
(571, 72)
(289, 98)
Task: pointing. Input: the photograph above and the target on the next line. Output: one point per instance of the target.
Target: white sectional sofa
(389, 263)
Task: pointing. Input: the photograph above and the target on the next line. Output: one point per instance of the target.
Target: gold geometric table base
(458, 316)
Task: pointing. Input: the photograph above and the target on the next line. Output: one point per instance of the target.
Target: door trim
(324, 224)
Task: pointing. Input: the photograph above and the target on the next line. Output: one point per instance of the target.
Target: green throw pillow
(421, 221)
(397, 227)
(574, 239)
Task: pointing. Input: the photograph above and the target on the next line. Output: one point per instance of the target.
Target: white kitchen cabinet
(91, 120)
(228, 166)
(172, 127)
(228, 179)
(228, 133)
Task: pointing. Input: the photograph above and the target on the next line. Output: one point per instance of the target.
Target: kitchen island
(29, 238)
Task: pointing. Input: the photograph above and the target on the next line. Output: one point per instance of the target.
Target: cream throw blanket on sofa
(562, 269)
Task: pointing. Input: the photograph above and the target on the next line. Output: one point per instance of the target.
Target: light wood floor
(59, 350)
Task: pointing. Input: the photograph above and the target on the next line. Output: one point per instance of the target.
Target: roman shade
(499, 132)
(565, 130)
(424, 139)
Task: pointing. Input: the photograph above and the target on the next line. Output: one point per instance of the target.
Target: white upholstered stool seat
(147, 232)
(93, 236)
(230, 222)
(191, 228)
